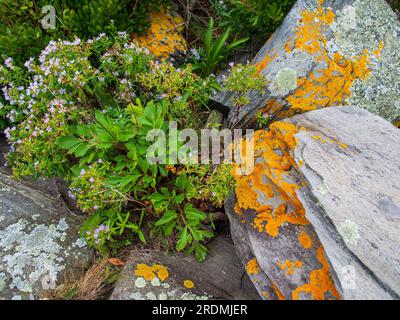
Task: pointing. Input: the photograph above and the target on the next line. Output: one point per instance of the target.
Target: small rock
(39, 241)
(221, 276)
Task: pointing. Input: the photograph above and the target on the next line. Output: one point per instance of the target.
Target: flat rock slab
(221, 276)
(39, 241)
(350, 162)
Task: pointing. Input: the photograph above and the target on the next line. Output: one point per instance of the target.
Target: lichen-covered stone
(274, 239)
(318, 218)
(327, 53)
(366, 25)
(39, 241)
(162, 276)
(163, 38)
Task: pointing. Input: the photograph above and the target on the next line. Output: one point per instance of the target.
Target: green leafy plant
(208, 183)
(24, 36)
(251, 17)
(242, 80)
(262, 120)
(182, 218)
(215, 51)
(82, 110)
(181, 86)
(113, 174)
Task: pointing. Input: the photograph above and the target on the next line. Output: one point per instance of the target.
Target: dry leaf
(116, 262)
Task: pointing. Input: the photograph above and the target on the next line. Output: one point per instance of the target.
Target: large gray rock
(335, 53)
(352, 197)
(221, 276)
(279, 247)
(335, 175)
(39, 241)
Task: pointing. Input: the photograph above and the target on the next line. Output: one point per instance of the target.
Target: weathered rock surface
(39, 241)
(327, 53)
(221, 276)
(319, 216)
(279, 247)
(352, 196)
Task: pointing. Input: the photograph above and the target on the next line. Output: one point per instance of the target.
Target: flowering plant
(82, 111)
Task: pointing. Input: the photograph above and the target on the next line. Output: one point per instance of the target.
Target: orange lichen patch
(162, 272)
(252, 267)
(246, 197)
(289, 45)
(163, 37)
(267, 198)
(321, 285)
(150, 273)
(272, 177)
(305, 240)
(272, 222)
(277, 291)
(331, 85)
(265, 61)
(285, 131)
(265, 294)
(290, 266)
(188, 284)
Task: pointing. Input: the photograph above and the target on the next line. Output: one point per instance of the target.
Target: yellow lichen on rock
(278, 292)
(273, 178)
(163, 37)
(330, 81)
(188, 284)
(270, 223)
(320, 283)
(331, 85)
(289, 266)
(305, 240)
(252, 267)
(264, 62)
(151, 272)
(267, 201)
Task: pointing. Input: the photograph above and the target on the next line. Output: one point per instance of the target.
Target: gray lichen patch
(169, 289)
(285, 71)
(153, 290)
(368, 25)
(33, 255)
(287, 79)
(39, 241)
(349, 231)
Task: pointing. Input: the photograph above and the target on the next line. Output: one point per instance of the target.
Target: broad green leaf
(167, 217)
(67, 142)
(183, 239)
